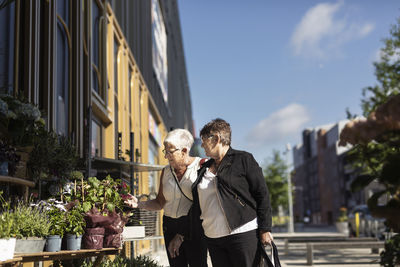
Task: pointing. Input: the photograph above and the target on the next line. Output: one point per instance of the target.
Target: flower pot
(30, 245)
(132, 232)
(7, 247)
(93, 238)
(73, 242)
(53, 243)
(4, 168)
(342, 227)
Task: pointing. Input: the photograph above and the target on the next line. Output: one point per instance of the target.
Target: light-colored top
(215, 224)
(176, 204)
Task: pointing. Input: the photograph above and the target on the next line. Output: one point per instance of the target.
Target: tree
(376, 142)
(387, 72)
(275, 174)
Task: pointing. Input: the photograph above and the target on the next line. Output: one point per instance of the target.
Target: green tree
(376, 151)
(275, 174)
(387, 72)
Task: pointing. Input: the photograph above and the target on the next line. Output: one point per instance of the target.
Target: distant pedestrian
(175, 197)
(233, 199)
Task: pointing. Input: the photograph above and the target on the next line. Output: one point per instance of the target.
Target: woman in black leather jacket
(233, 200)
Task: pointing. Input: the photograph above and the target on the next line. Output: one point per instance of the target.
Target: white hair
(180, 138)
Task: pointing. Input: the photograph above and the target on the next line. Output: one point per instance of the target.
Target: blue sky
(273, 68)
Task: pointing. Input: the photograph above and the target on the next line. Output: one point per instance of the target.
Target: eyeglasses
(166, 152)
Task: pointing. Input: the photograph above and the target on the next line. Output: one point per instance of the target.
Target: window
(7, 32)
(130, 83)
(96, 15)
(96, 139)
(62, 67)
(116, 129)
(153, 159)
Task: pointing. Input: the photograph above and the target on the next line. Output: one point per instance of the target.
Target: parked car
(369, 226)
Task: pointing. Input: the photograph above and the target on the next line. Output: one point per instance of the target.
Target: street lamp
(290, 202)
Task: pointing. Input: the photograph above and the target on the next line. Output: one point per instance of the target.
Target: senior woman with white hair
(175, 197)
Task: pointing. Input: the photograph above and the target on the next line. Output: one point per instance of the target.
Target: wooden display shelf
(61, 255)
(19, 181)
(16, 180)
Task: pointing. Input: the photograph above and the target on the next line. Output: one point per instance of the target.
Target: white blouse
(215, 224)
(176, 204)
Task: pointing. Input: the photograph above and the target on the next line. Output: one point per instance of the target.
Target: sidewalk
(352, 257)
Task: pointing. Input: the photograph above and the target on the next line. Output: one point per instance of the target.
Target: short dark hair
(220, 127)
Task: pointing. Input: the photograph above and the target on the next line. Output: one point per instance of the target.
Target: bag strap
(177, 182)
(274, 260)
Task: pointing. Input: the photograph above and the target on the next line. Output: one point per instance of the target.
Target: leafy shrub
(390, 257)
(119, 261)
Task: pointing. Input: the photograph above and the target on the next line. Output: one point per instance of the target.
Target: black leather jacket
(242, 190)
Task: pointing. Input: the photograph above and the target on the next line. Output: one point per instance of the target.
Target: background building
(110, 75)
(323, 176)
(319, 177)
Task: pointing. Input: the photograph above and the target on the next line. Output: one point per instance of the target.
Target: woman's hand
(174, 245)
(266, 238)
(131, 201)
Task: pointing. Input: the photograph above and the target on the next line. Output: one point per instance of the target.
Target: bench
(318, 239)
(339, 245)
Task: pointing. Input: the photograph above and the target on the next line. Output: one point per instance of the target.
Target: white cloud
(322, 31)
(279, 125)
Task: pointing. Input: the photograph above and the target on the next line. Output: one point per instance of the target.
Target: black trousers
(238, 250)
(192, 253)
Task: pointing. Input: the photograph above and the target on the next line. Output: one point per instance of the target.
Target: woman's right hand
(131, 201)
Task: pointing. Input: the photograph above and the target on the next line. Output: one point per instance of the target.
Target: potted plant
(30, 227)
(342, 224)
(58, 224)
(102, 203)
(75, 226)
(51, 161)
(7, 239)
(8, 159)
(19, 120)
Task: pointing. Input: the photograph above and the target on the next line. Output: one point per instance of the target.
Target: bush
(390, 257)
(119, 261)
(342, 215)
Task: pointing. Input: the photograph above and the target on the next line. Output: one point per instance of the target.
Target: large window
(96, 20)
(7, 33)
(62, 66)
(154, 143)
(130, 88)
(159, 49)
(96, 139)
(153, 159)
(116, 129)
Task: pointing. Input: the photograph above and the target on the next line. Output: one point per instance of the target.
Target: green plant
(6, 219)
(52, 155)
(8, 154)
(119, 261)
(342, 215)
(29, 221)
(58, 223)
(390, 257)
(76, 175)
(105, 195)
(75, 219)
(19, 120)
